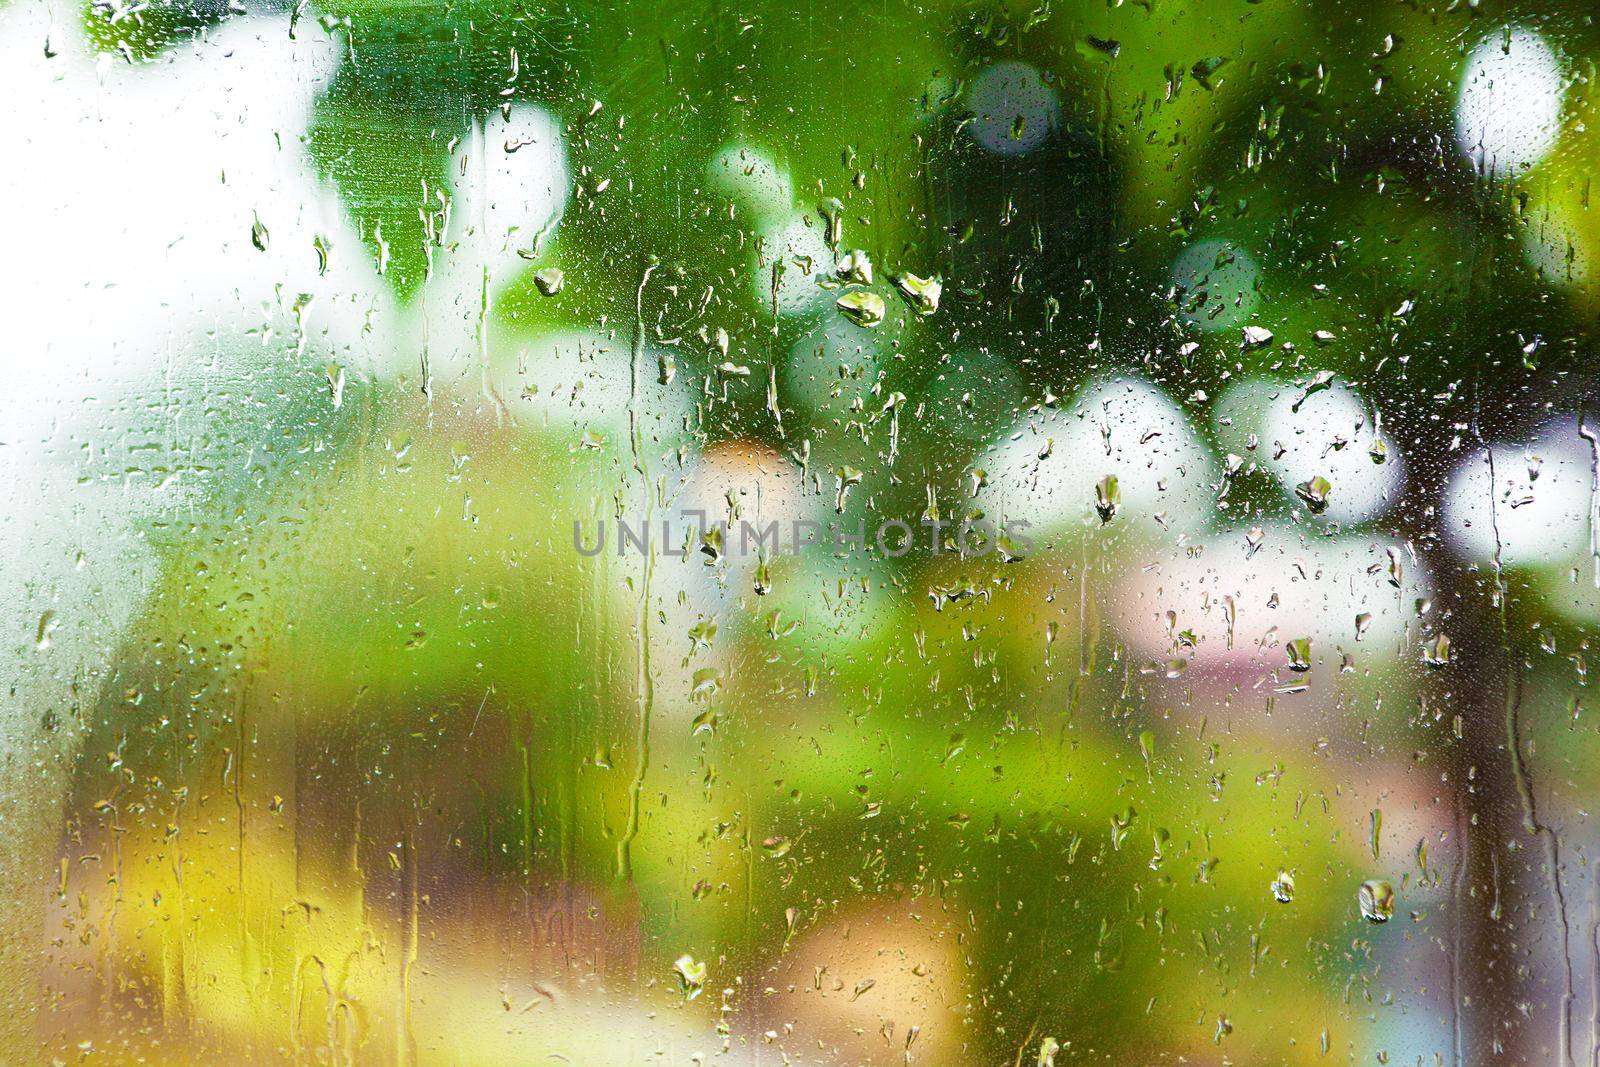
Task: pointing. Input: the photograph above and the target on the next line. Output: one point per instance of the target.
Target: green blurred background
(327, 745)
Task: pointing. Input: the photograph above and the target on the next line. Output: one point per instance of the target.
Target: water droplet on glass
(855, 267)
(549, 280)
(1314, 491)
(921, 293)
(862, 307)
(1436, 653)
(1107, 498)
(1376, 898)
(691, 975)
(47, 626)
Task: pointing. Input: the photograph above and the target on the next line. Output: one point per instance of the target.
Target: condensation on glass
(751, 533)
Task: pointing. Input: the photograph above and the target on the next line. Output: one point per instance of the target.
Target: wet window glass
(756, 533)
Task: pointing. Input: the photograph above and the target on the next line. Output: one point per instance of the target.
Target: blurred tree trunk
(1501, 884)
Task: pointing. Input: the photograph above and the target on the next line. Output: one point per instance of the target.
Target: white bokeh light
(765, 487)
(1013, 109)
(1046, 468)
(584, 381)
(797, 246)
(1537, 511)
(752, 180)
(1331, 435)
(1292, 586)
(1508, 115)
